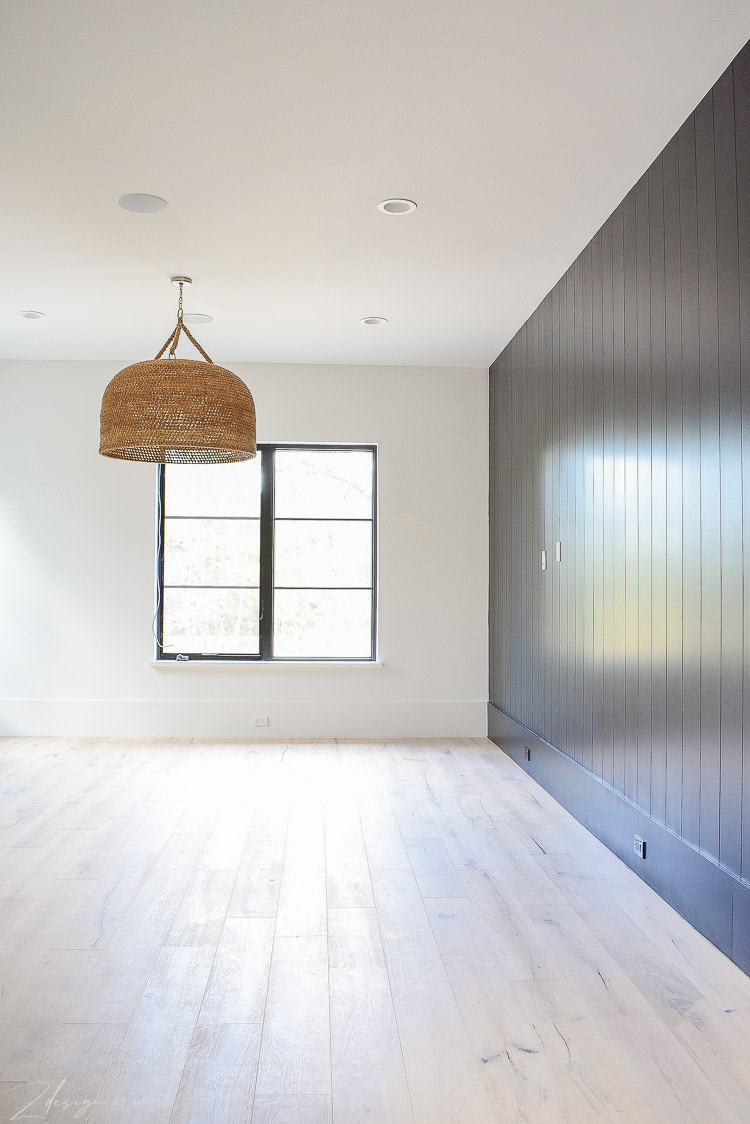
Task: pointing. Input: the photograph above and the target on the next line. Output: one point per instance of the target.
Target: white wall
(77, 563)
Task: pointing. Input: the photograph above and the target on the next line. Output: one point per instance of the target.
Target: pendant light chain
(180, 327)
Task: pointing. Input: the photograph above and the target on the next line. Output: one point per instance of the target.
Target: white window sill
(243, 664)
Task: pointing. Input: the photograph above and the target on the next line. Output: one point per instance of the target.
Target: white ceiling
(275, 127)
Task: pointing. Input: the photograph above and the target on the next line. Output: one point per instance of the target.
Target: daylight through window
(272, 558)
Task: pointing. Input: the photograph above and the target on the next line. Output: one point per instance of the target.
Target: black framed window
(269, 559)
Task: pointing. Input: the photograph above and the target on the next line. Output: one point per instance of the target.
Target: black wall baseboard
(715, 902)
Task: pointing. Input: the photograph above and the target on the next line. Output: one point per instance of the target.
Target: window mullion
(266, 552)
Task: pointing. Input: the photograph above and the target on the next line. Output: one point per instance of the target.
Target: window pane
(211, 621)
(320, 553)
(213, 489)
(322, 623)
(211, 551)
(323, 483)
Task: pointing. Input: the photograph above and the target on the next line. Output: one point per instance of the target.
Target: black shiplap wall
(620, 425)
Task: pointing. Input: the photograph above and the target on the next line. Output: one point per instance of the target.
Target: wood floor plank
(444, 1079)
(347, 870)
(648, 1047)
(28, 1023)
(295, 1049)
(115, 986)
(24, 944)
(384, 845)
(200, 917)
(523, 949)
(411, 815)
(99, 915)
(17, 822)
(302, 896)
(65, 1084)
(436, 877)
(593, 1077)
(256, 889)
(661, 984)
(110, 847)
(237, 986)
(218, 1081)
(292, 1110)
(11, 910)
(145, 1075)
(471, 842)
(368, 1076)
(12, 1099)
(28, 871)
(715, 977)
(521, 1078)
(226, 843)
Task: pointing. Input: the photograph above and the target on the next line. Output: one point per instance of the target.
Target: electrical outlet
(260, 720)
(639, 846)
(527, 753)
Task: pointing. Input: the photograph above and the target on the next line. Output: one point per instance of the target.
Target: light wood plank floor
(333, 933)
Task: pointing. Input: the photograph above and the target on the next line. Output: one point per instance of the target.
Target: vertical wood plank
(741, 70)
(571, 550)
(631, 400)
(730, 474)
(674, 485)
(608, 559)
(579, 604)
(588, 473)
(598, 377)
(556, 520)
(644, 484)
(710, 482)
(658, 491)
(691, 486)
(619, 656)
(550, 526)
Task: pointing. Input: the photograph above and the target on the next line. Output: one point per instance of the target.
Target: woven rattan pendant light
(178, 411)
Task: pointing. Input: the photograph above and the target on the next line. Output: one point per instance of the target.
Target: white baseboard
(232, 718)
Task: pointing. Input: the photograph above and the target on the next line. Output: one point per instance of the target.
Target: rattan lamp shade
(177, 411)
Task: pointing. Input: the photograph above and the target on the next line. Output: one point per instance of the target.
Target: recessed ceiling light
(197, 318)
(142, 204)
(397, 206)
(29, 314)
(373, 320)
